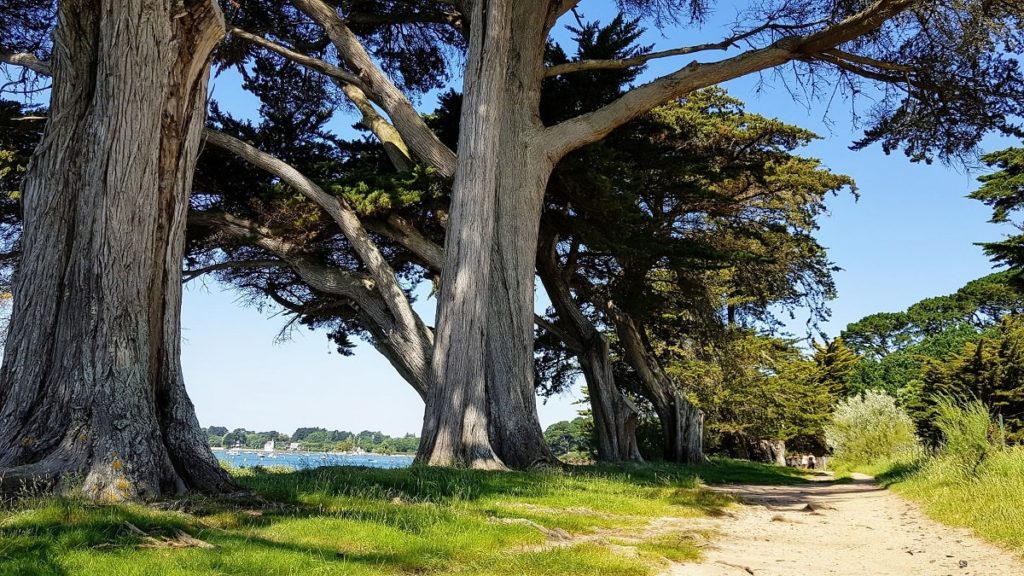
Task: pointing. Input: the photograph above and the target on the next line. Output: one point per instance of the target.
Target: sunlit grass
(370, 521)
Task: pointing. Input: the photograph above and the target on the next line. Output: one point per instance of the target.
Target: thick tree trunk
(481, 410)
(682, 423)
(615, 417)
(91, 386)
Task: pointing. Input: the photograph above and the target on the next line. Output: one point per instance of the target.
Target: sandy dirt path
(856, 529)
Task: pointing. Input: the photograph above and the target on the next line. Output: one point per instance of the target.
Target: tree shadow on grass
(442, 485)
(899, 472)
(37, 533)
(99, 542)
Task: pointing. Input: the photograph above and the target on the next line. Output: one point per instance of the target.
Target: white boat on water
(269, 446)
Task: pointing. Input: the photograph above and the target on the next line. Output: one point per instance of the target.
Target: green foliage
(834, 364)
(897, 348)
(375, 193)
(879, 334)
(566, 437)
(989, 370)
(1003, 191)
(760, 387)
(871, 428)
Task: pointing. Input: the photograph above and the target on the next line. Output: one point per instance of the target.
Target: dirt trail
(856, 529)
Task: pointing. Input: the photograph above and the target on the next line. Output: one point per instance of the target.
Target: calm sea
(302, 460)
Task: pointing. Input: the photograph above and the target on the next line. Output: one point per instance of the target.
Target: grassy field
(593, 520)
(990, 502)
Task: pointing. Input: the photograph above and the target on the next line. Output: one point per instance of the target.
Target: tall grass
(973, 480)
(969, 435)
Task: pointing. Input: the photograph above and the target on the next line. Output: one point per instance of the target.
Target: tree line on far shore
(313, 439)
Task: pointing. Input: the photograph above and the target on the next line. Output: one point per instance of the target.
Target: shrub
(871, 428)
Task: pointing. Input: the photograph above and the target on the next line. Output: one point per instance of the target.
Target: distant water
(304, 460)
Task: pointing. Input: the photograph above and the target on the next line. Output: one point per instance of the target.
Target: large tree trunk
(615, 416)
(91, 385)
(682, 423)
(481, 410)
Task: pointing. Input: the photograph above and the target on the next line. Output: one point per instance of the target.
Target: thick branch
(427, 252)
(420, 138)
(593, 126)
(27, 60)
(346, 218)
(407, 355)
(355, 286)
(384, 131)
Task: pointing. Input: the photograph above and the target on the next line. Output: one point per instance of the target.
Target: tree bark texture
(481, 410)
(91, 388)
(682, 423)
(615, 416)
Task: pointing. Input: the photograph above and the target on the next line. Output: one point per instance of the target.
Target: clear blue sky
(909, 236)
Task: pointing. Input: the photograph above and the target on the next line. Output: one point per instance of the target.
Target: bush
(871, 428)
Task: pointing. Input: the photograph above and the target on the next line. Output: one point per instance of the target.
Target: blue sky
(909, 236)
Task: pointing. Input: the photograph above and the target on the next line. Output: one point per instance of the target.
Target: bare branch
(587, 65)
(865, 61)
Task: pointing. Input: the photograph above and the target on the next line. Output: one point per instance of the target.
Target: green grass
(991, 502)
(369, 521)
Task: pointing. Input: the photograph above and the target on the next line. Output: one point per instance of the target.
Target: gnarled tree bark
(91, 385)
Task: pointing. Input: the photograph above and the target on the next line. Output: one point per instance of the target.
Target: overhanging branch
(593, 126)
(27, 60)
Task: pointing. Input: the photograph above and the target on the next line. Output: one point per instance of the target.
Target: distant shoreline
(307, 452)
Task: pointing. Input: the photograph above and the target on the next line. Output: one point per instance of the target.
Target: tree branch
(593, 126)
(587, 65)
(346, 219)
(327, 68)
(27, 60)
(428, 253)
(420, 138)
(189, 275)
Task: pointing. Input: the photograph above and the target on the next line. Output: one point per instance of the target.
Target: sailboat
(268, 449)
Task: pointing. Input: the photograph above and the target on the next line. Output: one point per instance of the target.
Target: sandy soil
(840, 529)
